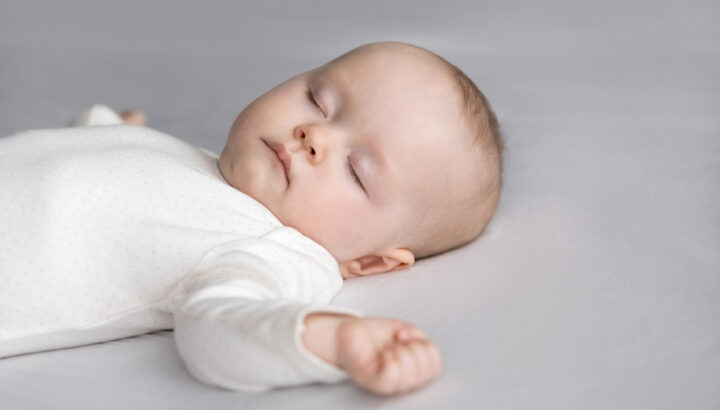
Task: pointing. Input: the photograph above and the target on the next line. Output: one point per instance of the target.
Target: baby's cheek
(340, 227)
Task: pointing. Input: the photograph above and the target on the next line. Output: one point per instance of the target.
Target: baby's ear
(386, 261)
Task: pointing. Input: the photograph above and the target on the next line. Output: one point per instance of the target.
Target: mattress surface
(595, 287)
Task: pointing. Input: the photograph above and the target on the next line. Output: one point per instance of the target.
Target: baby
(385, 155)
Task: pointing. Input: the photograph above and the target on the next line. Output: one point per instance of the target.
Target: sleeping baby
(111, 229)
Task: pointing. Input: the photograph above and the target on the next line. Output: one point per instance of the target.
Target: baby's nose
(311, 143)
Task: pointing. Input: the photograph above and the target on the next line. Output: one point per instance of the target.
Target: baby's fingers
(436, 359)
(426, 357)
(133, 117)
(411, 362)
(406, 366)
(409, 332)
(389, 376)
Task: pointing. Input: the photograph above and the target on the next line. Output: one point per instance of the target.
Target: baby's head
(418, 134)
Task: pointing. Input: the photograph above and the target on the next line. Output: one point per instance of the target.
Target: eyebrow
(376, 157)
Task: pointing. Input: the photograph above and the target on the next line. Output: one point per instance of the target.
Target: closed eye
(311, 97)
(353, 174)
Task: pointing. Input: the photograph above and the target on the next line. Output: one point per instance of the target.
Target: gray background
(596, 286)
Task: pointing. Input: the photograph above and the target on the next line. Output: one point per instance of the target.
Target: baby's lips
(282, 154)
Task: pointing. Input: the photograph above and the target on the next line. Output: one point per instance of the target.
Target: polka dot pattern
(108, 231)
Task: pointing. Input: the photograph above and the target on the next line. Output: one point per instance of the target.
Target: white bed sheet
(597, 285)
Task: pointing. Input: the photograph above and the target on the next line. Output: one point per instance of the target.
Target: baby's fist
(387, 356)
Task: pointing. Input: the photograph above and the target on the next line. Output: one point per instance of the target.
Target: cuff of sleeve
(326, 372)
(98, 114)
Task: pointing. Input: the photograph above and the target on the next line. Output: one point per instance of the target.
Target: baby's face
(363, 138)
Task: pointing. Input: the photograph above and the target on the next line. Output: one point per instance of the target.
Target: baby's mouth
(282, 156)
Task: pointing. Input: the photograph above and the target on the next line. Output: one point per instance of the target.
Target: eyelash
(351, 171)
(310, 97)
(353, 174)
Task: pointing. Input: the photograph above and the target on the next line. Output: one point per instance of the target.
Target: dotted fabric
(112, 231)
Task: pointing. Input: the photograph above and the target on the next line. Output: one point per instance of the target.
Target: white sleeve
(234, 329)
(98, 114)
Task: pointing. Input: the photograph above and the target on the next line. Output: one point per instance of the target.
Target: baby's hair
(476, 106)
(488, 142)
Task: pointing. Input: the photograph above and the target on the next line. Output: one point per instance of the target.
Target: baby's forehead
(392, 67)
(393, 91)
(380, 95)
(378, 98)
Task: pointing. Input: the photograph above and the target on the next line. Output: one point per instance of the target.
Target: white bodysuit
(110, 231)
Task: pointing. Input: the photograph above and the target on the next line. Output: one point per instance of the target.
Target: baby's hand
(133, 117)
(387, 356)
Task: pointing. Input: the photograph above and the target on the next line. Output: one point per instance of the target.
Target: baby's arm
(234, 331)
(239, 319)
(385, 356)
(239, 326)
